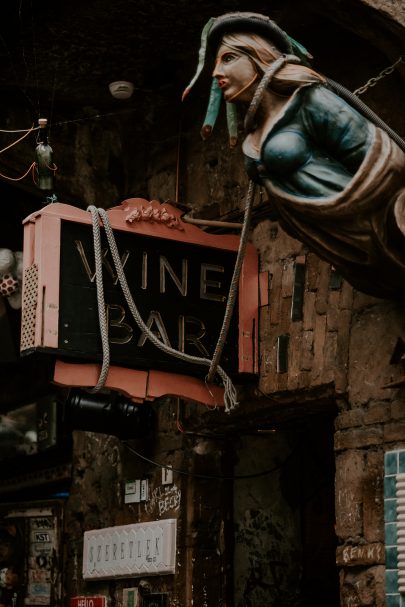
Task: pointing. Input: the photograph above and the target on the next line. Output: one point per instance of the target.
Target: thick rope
(366, 111)
(233, 289)
(230, 395)
(102, 317)
(262, 86)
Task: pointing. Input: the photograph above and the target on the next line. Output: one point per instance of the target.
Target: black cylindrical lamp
(109, 414)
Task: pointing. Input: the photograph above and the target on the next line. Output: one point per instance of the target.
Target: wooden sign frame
(41, 327)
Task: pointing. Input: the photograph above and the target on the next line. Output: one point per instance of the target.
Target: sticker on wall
(29, 554)
(43, 543)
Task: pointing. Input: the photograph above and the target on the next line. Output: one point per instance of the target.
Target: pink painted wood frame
(42, 233)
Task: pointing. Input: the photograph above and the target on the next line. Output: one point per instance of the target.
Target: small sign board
(134, 550)
(88, 601)
(133, 492)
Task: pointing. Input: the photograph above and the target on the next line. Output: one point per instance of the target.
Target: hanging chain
(381, 75)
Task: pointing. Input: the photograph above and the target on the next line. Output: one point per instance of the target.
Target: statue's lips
(222, 83)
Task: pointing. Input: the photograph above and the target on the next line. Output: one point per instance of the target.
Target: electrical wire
(87, 119)
(208, 476)
(34, 52)
(24, 57)
(31, 168)
(97, 116)
(13, 68)
(35, 128)
(75, 120)
(52, 103)
(17, 140)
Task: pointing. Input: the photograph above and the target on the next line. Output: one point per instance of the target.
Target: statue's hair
(262, 53)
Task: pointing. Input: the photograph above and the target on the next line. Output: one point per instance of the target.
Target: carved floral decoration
(154, 215)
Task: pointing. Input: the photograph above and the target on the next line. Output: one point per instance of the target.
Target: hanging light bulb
(44, 158)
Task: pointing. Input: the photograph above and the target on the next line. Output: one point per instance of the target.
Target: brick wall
(346, 340)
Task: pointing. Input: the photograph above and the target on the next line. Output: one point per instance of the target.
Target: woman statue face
(236, 74)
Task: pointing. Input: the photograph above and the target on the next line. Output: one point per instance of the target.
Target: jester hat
(211, 36)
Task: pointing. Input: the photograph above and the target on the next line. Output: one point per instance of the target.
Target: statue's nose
(217, 73)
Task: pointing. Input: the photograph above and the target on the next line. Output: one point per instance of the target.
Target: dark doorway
(285, 542)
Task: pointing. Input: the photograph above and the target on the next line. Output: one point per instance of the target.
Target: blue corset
(316, 146)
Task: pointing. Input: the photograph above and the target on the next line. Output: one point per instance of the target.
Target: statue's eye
(228, 57)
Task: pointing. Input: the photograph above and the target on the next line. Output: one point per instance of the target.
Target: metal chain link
(373, 81)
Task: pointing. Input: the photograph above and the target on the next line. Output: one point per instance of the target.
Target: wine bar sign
(179, 277)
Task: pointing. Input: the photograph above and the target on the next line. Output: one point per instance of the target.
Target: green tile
(391, 534)
(391, 462)
(391, 557)
(391, 581)
(401, 464)
(393, 600)
(390, 510)
(390, 486)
